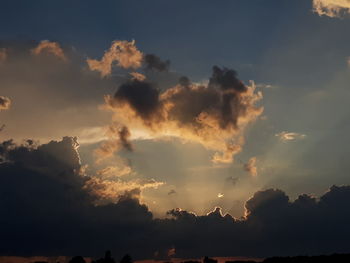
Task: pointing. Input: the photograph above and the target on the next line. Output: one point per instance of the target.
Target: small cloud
(172, 192)
(290, 136)
(49, 47)
(5, 103)
(153, 62)
(124, 53)
(138, 76)
(331, 8)
(250, 167)
(266, 86)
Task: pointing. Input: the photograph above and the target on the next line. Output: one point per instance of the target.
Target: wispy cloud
(290, 136)
(53, 48)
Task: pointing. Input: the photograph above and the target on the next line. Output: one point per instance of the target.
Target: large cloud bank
(49, 209)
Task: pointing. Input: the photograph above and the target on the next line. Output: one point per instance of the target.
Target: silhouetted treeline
(335, 258)
(189, 261)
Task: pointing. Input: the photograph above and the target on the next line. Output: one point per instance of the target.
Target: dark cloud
(153, 62)
(124, 135)
(172, 192)
(44, 200)
(226, 79)
(142, 97)
(184, 81)
(214, 115)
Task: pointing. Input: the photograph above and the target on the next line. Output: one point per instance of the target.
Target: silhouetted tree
(77, 259)
(108, 257)
(335, 258)
(209, 260)
(126, 259)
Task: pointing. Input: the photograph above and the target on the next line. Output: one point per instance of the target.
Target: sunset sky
(138, 125)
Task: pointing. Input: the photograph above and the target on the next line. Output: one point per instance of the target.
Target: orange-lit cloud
(331, 8)
(111, 172)
(250, 167)
(49, 47)
(5, 103)
(138, 76)
(124, 53)
(111, 190)
(290, 136)
(214, 115)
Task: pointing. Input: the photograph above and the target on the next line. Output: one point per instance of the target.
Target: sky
(142, 121)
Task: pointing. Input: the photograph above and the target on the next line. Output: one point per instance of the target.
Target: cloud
(290, 136)
(172, 192)
(124, 135)
(118, 138)
(67, 91)
(110, 172)
(214, 115)
(5, 103)
(138, 76)
(250, 167)
(123, 52)
(331, 8)
(153, 62)
(110, 190)
(46, 199)
(49, 47)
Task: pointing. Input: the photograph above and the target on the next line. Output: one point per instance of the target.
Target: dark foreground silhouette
(335, 258)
